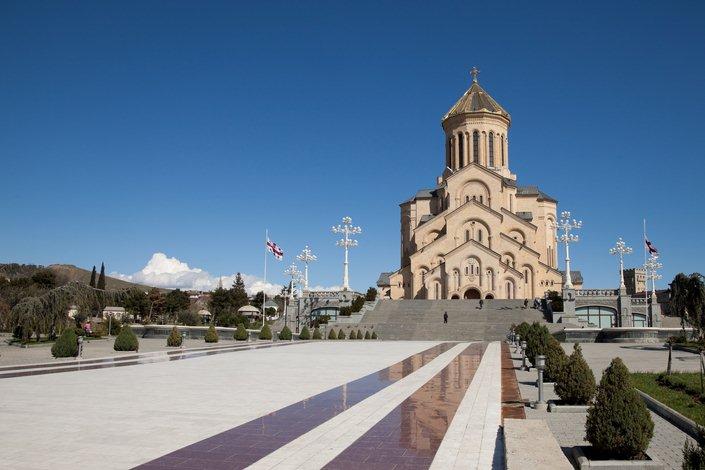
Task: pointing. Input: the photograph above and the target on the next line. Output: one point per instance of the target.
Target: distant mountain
(66, 273)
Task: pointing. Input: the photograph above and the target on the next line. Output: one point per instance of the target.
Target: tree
(285, 334)
(176, 300)
(93, 276)
(44, 278)
(220, 303)
(359, 334)
(305, 333)
(66, 345)
(374, 335)
(266, 333)
(555, 299)
(101, 278)
(576, 383)
(157, 302)
(258, 300)
(211, 335)
(317, 333)
(688, 300)
(367, 335)
(618, 424)
(137, 303)
(357, 304)
(238, 293)
(536, 341)
(332, 334)
(241, 333)
(555, 360)
(371, 294)
(126, 340)
(174, 338)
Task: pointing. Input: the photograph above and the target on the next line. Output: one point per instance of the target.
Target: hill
(66, 273)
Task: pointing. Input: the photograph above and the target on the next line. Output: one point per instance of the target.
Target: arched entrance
(455, 297)
(472, 294)
(489, 296)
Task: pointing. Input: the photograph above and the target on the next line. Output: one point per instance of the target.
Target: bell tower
(476, 131)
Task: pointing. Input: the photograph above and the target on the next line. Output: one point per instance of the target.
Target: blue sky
(187, 128)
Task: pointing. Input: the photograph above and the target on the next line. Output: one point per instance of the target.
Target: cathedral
(477, 234)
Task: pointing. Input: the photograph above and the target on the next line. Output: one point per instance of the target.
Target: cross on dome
(474, 72)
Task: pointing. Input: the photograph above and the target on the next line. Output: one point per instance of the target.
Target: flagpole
(646, 270)
(264, 289)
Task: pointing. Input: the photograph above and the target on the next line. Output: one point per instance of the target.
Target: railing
(639, 301)
(596, 292)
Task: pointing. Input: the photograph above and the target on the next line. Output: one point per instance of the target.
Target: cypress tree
(285, 334)
(555, 360)
(238, 293)
(618, 424)
(101, 278)
(332, 334)
(367, 334)
(174, 338)
(66, 345)
(317, 333)
(241, 333)
(374, 335)
(305, 333)
(266, 332)
(93, 276)
(341, 334)
(126, 340)
(211, 335)
(576, 383)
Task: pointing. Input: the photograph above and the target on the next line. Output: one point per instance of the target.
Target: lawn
(681, 399)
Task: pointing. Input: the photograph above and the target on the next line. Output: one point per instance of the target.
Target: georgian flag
(274, 249)
(649, 246)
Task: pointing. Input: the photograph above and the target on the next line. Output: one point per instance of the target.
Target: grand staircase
(423, 319)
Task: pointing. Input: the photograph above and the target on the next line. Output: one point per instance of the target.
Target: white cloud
(172, 273)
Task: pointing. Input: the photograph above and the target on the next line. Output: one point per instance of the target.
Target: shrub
(341, 334)
(211, 335)
(352, 335)
(266, 332)
(359, 334)
(576, 384)
(374, 335)
(66, 345)
(357, 304)
(371, 294)
(537, 341)
(126, 340)
(367, 334)
(332, 334)
(555, 360)
(79, 331)
(113, 325)
(694, 456)
(174, 339)
(618, 423)
(189, 318)
(345, 311)
(317, 333)
(522, 330)
(285, 334)
(305, 334)
(241, 333)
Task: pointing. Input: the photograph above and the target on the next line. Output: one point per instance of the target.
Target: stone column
(624, 302)
(569, 316)
(654, 312)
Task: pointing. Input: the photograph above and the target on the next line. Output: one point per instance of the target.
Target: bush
(352, 335)
(211, 335)
(555, 360)
(367, 334)
(341, 334)
(332, 334)
(305, 334)
(285, 334)
(241, 333)
(522, 330)
(174, 339)
(66, 345)
(576, 384)
(317, 333)
(189, 318)
(359, 334)
(126, 340)
(113, 325)
(266, 332)
(345, 311)
(371, 294)
(357, 304)
(374, 335)
(694, 456)
(618, 423)
(537, 341)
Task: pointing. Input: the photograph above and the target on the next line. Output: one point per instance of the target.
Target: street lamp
(294, 273)
(540, 366)
(567, 225)
(306, 256)
(346, 229)
(651, 267)
(523, 356)
(621, 249)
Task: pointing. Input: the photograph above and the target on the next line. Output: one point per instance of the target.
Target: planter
(557, 407)
(581, 453)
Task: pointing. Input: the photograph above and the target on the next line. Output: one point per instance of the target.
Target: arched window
(481, 201)
(467, 235)
(467, 198)
(526, 276)
(503, 150)
(449, 145)
(476, 147)
(479, 235)
(461, 150)
(491, 149)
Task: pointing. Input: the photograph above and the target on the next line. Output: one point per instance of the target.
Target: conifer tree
(238, 293)
(93, 276)
(101, 278)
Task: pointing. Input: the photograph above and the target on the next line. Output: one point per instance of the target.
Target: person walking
(445, 317)
(481, 303)
(526, 303)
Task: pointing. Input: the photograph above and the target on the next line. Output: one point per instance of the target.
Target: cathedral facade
(477, 233)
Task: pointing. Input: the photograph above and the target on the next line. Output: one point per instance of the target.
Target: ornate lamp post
(294, 273)
(346, 229)
(567, 225)
(306, 256)
(621, 249)
(652, 266)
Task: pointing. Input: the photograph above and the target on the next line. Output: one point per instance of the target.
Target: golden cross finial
(474, 72)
